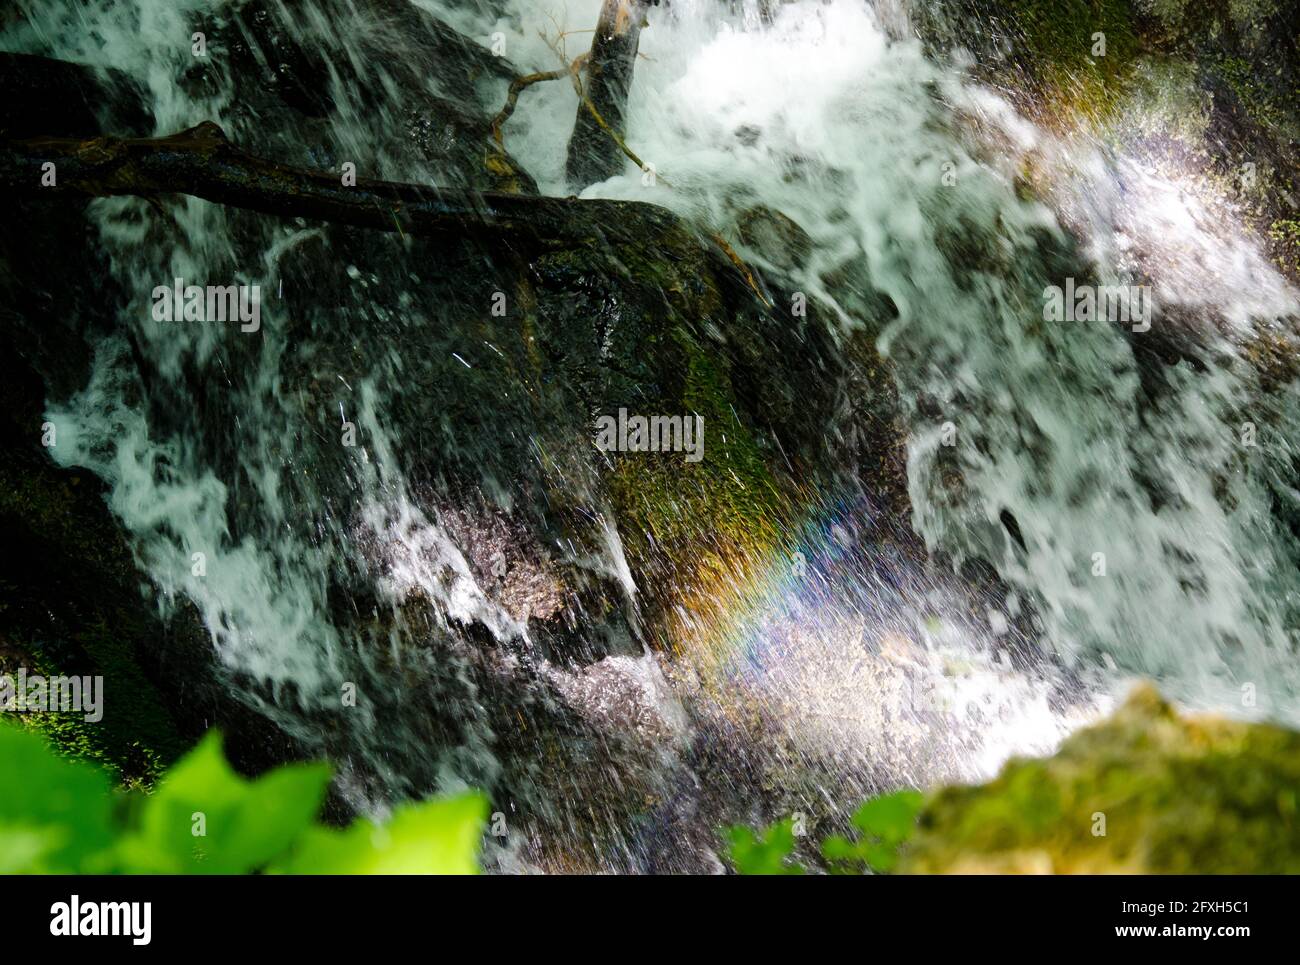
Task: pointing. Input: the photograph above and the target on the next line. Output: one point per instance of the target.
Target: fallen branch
(204, 163)
(741, 267)
(512, 98)
(498, 162)
(602, 104)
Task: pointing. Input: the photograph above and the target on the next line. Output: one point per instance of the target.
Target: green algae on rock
(1147, 791)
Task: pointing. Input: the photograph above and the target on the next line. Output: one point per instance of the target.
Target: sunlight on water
(869, 147)
(1140, 542)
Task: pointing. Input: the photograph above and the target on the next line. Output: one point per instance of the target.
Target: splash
(1102, 472)
(820, 650)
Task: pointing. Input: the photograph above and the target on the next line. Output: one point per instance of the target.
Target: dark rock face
(58, 99)
(630, 310)
(74, 601)
(604, 305)
(291, 79)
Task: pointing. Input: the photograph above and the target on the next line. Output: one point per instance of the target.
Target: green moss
(1165, 92)
(1055, 47)
(1285, 235)
(729, 499)
(1256, 98)
(72, 607)
(136, 738)
(1145, 791)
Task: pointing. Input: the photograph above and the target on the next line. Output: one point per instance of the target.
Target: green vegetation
(882, 826)
(137, 740)
(1285, 234)
(1145, 791)
(63, 816)
(1257, 98)
(1079, 54)
(765, 853)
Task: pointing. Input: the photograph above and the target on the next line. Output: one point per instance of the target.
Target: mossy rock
(676, 513)
(1065, 58)
(1080, 52)
(72, 599)
(1147, 791)
(70, 604)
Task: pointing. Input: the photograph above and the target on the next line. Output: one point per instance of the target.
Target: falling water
(1124, 529)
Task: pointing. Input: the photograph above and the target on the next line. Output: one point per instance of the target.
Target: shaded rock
(780, 240)
(74, 599)
(328, 63)
(487, 418)
(75, 602)
(57, 98)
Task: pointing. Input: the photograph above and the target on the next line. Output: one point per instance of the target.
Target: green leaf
(890, 817)
(766, 855)
(880, 857)
(885, 824)
(441, 836)
(25, 850)
(839, 848)
(58, 815)
(55, 813)
(206, 819)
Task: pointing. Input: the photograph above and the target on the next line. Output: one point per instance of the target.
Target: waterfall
(358, 496)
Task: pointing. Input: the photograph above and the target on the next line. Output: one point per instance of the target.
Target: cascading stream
(866, 144)
(1131, 532)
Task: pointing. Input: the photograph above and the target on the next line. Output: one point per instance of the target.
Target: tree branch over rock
(204, 163)
(602, 103)
(498, 162)
(597, 137)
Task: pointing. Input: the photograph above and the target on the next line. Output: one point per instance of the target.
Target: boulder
(1147, 791)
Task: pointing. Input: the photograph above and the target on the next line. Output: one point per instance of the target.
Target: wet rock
(1212, 81)
(777, 237)
(60, 99)
(486, 417)
(1177, 795)
(76, 603)
(75, 600)
(294, 70)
